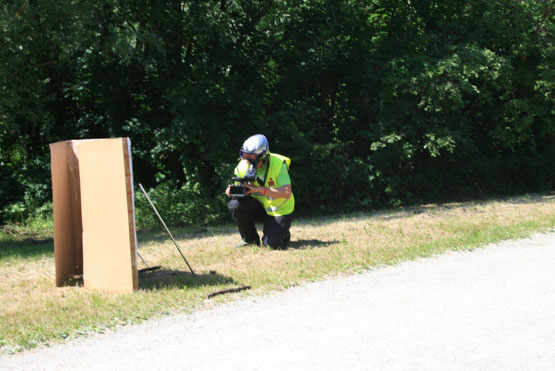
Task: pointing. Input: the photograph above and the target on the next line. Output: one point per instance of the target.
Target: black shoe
(286, 240)
(280, 244)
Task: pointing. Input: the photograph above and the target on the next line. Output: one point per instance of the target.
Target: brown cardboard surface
(103, 192)
(67, 243)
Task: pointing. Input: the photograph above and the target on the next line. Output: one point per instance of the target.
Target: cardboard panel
(108, 251)
(67, 214)
(98, 203)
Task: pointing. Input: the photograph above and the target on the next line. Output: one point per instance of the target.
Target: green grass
(34, 312)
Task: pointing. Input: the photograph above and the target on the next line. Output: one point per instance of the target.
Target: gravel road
(492, 308)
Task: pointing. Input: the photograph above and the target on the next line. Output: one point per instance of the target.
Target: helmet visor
(251, 157)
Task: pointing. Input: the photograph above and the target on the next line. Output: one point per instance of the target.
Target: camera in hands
(241, 190)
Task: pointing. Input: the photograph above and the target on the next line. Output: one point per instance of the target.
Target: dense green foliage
(376, 102)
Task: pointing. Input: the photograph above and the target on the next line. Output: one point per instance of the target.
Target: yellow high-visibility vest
(277, 206)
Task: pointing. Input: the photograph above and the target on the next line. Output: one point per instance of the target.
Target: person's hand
(227, 190)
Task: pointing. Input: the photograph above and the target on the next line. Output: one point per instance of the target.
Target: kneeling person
(268, 199)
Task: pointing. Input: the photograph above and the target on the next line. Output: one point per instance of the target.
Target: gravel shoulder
(491, 308)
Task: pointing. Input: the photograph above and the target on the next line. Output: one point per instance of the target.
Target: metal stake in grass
(167, 230)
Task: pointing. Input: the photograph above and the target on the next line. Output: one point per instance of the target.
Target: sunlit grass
(34, 312)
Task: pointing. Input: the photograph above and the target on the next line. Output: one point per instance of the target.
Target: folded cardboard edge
(68, 227)
(68, 251)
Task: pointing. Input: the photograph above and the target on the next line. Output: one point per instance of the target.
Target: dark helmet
(255, 148)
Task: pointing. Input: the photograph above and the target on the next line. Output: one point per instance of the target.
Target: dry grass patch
(35, 312)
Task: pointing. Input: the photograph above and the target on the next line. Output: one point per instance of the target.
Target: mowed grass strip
(34, 312)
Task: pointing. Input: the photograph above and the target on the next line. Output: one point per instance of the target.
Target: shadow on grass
(183, 233)
(309, 244)
(75, 281)
(167, 279)
(25, 248)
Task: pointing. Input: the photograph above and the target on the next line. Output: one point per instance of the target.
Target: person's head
(255, 150)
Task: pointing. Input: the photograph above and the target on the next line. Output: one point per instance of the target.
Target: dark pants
(247, 211)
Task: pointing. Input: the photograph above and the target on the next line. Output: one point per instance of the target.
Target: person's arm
(281, 192)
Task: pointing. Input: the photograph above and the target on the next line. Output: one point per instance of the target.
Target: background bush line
(377, 102)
